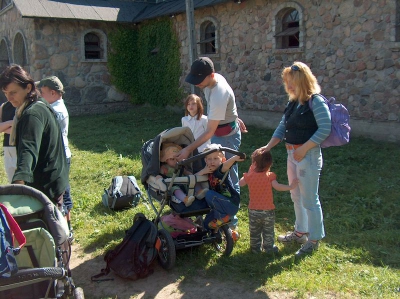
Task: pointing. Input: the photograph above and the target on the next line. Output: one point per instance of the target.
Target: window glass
(92, 46)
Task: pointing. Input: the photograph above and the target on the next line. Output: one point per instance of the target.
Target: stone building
(352, 46)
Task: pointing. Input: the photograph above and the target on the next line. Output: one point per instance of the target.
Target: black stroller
(221, 238)
(43, 263)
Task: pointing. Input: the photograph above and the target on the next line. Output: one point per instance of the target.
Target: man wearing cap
(223, 122)
(52, 90)
(222, 127)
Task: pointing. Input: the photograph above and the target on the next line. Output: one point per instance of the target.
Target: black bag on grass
(123, 193)
(133, 256)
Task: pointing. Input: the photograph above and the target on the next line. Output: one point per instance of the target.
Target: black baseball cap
(200, 69)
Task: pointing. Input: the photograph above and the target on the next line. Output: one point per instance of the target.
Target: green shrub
(144, 63)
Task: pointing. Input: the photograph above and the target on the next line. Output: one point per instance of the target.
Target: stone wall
(55, 47)
(350, 46)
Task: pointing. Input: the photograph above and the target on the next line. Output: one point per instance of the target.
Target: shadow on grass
(123, 132)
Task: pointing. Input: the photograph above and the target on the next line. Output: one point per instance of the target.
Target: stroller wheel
(223, 240)
(78, 293)
(167, 253)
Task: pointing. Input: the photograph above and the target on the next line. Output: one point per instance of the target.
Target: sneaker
(71, 236)
(291, 237)
(217, 223)
(202, 193)
(307, 248)
(188, 200)
(235, 236)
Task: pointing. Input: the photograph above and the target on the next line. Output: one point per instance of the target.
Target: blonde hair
(197, 100)
(303, 79)
(214, 146)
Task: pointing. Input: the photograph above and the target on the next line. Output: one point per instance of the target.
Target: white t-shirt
(63, 119)
(198, 127)
(221, 103)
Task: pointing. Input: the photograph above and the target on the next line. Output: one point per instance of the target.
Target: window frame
(24, 50)
(202, 40)
(284, 32)
(102, 44)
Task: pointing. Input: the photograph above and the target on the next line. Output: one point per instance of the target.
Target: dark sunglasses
(295, 68)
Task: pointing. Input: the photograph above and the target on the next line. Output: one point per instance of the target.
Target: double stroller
(160, 197)
(43, 263)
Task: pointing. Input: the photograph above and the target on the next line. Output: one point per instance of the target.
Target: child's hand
(294, 184)
(238, 159)
(205, 170)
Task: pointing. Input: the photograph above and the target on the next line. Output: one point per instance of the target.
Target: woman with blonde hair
(303, 129)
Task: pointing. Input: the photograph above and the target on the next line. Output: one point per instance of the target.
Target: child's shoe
(216, 223)
(235, 236)
(188, 200)
(202, 193)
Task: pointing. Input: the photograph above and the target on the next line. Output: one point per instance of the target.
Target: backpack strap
(118, 180)
(15, 229)
(132, 179)
(317, 94)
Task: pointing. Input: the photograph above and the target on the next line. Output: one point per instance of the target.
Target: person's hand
(8, 131)
(242, 126)
(294, 184)
(19, 182)
(238, 158)
(299, 153)
(205, 170)
(261, 149)
(183, 154)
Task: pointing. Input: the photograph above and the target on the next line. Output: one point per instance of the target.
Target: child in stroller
(222, 198)
(167, 168)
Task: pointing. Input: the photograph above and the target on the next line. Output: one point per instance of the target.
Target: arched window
(288, 37)
(4, 59)
(208, 38)
(19, 50)
(92, 46)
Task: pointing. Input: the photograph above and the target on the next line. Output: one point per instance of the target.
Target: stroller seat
(198, 207)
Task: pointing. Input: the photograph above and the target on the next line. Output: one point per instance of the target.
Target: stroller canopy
(182, 136)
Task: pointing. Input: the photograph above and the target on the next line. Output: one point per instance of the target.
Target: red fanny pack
(225, 129)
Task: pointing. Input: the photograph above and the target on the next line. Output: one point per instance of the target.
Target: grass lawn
(360, 256)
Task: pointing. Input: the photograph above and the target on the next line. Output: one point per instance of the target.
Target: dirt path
(161, 284)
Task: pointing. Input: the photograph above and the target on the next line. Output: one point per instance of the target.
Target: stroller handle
(202, 155)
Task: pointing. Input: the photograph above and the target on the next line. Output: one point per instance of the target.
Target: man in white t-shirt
(223, 125)
(52, 89)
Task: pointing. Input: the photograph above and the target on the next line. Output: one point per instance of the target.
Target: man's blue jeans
(307, 207)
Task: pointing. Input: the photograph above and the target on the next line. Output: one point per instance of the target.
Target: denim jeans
(232, 142)
(220, 206)
(307, 207)
(67, 195)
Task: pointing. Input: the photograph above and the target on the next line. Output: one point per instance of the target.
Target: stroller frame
(50, 219)
(220, 238)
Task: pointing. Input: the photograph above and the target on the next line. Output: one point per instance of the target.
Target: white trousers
(10, 161)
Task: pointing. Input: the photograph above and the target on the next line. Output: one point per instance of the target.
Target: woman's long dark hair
(16, 74)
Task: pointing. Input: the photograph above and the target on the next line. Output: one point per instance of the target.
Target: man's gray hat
(53, 83)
